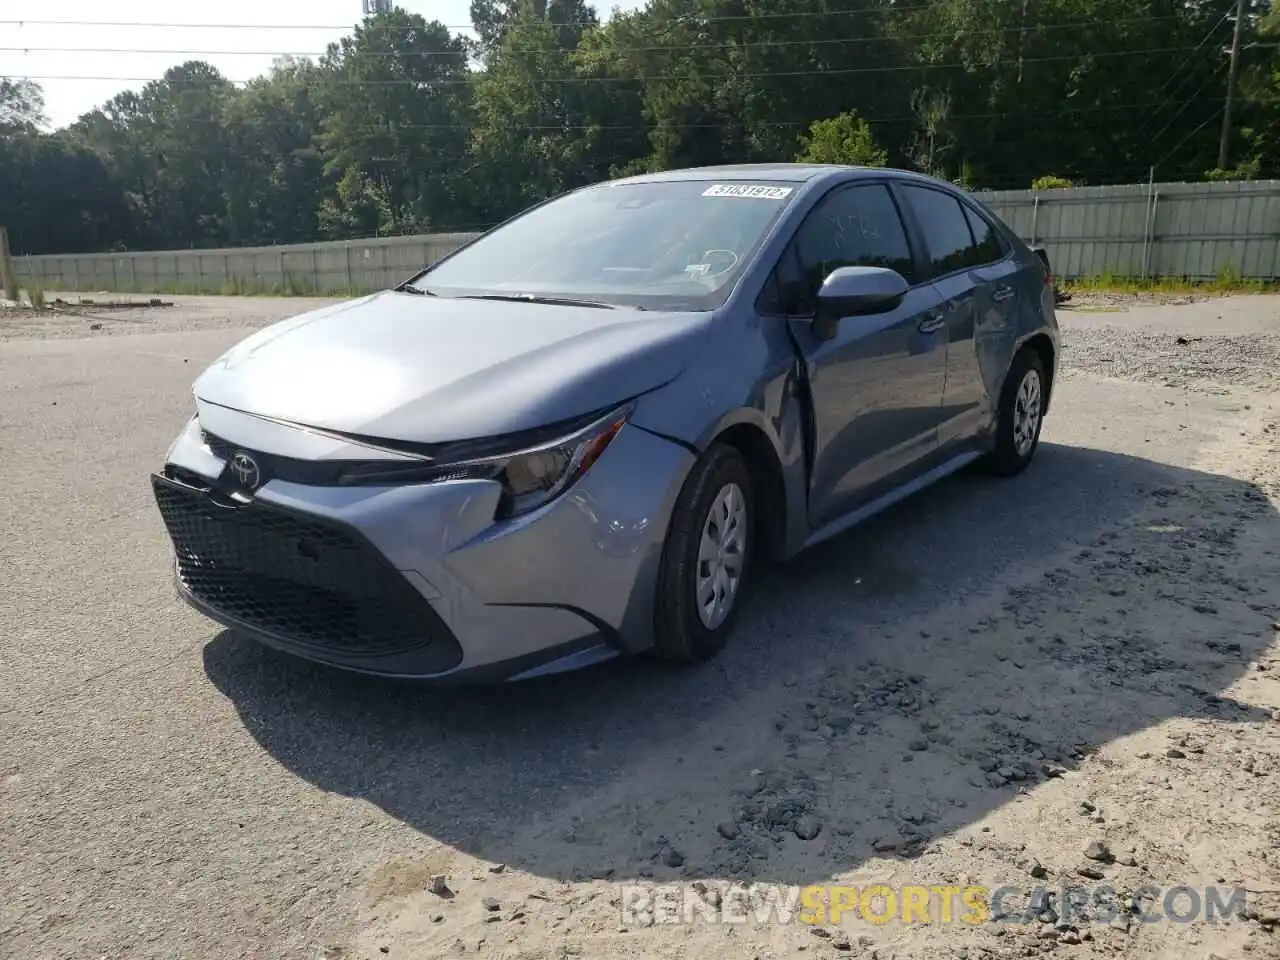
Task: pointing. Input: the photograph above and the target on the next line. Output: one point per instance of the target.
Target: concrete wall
(337, 267)
(1199, 231)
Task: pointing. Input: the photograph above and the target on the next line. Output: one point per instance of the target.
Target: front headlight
(530, 477)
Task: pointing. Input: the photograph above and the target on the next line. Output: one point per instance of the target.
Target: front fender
(768, 420)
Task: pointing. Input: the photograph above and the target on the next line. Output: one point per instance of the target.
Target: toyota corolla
(579, 435)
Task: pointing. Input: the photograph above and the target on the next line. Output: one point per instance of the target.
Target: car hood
(423, 369)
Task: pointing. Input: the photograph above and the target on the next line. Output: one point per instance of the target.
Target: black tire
(680, 632)
(1005, 460)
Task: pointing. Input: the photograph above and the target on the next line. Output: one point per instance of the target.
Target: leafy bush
(1245, 171)
(1051, 182)
(845, 138)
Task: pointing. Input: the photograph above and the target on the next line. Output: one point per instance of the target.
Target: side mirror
(856, 291)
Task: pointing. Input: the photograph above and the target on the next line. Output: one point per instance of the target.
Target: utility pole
(1231, 86)
(8, 282)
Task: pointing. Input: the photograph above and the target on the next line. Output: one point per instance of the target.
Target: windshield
(671, 245)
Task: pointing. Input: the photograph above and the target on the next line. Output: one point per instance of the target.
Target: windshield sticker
(750, 191)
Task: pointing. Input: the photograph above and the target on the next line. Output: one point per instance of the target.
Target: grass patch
(1227, 282)
(35, 297)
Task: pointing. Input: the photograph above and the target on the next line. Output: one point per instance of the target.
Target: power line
(801, 122)
(572, 22)
(463, 162)
(136, 24)
(737, 75)
(1190, 63)
(1208, 120)
(1182, 67)
(1190, 100)
(728, 44)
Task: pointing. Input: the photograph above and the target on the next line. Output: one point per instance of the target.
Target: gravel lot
(981, 687)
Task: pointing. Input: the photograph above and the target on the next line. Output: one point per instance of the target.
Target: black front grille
(302, 579)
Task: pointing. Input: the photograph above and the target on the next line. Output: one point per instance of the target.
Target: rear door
(973, 271)
(976, 367)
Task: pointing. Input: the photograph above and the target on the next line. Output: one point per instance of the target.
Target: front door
(877, 386)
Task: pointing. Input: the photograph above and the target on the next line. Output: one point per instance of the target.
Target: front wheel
(1020, 416)
(706, 558)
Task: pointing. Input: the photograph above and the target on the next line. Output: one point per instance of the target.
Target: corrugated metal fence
(1199, 231)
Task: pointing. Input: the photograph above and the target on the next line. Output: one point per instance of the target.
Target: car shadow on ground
(864, 736)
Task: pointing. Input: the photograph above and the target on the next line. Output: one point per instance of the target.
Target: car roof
(787, 172)
(796, 172)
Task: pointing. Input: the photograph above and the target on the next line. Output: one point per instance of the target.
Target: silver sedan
(576, 437)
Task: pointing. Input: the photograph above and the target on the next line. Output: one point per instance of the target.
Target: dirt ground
(1065, 685)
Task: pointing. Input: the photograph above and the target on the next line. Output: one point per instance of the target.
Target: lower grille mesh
(304, 580)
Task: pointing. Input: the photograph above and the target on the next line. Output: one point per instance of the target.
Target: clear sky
(248, 35)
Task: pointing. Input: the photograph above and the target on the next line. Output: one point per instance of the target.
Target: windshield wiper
(534, 298)
(416, 291)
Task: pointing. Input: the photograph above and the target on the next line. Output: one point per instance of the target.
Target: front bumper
(418, 581)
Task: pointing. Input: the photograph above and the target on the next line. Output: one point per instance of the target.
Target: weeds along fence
(1186, 231)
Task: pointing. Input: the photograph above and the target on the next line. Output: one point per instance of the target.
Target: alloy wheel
(721, 555)
(1026, 413)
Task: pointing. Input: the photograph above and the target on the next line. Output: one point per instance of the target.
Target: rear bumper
(418, 581)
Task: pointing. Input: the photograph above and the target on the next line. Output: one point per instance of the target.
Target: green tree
(276, 185)
(844, 139)
(168, 148)
(491, 20)
(404, 127)
(21, 105)
(118, 133)
(532, 111)
(394, 98)
(67, 199)
(1091, 88)
(1260, 103)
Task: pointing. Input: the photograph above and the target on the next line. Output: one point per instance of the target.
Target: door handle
(1002, 294)
(931, 324)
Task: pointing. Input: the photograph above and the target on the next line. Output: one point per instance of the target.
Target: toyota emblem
(246, 470)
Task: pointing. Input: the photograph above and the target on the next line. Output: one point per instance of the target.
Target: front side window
(948, 242)
(856, 226)
(673, 245)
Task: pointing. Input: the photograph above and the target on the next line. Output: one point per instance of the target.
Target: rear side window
(986, 240)
(948, 243)
(856, 226)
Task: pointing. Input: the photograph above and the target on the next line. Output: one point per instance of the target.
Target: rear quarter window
(989, 245)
